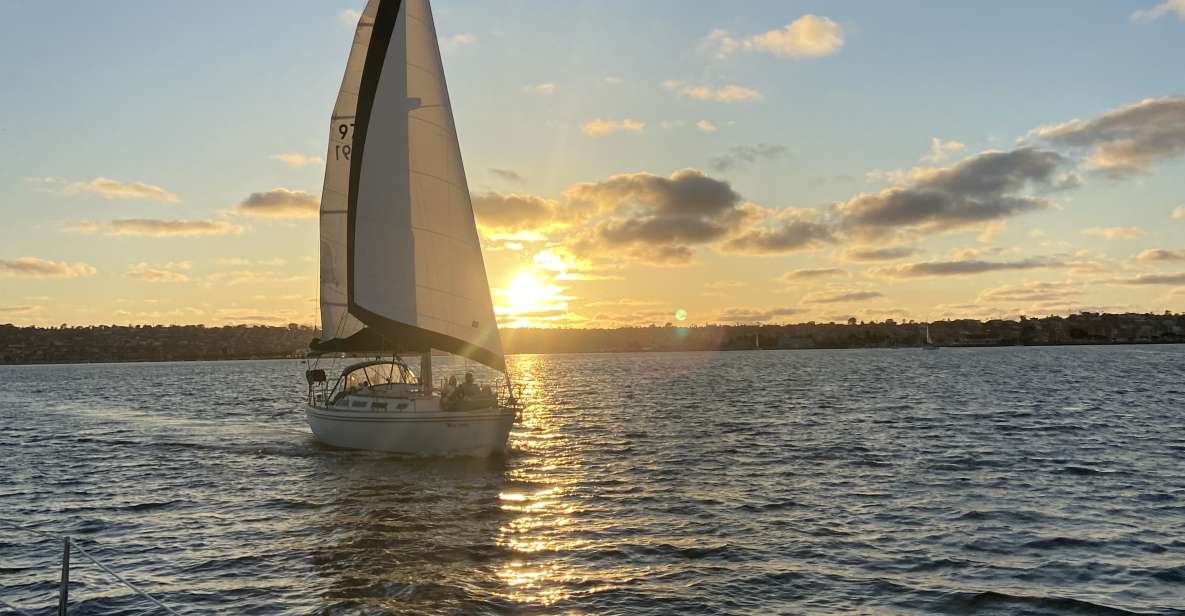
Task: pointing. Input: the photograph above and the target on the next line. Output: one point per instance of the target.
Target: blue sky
(197, 99)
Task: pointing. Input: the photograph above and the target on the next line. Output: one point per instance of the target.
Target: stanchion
(64, 592)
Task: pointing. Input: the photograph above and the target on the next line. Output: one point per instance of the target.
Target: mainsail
(401, 263)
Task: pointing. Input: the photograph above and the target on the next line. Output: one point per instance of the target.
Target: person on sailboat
(449, 388)
(470, 389)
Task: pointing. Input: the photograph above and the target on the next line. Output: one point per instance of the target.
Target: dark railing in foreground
(68, 546)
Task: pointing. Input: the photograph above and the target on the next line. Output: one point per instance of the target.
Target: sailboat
(928, 343)
(401, 264)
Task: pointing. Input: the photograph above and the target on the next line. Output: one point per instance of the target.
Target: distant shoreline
(109, 362)
(110, 344)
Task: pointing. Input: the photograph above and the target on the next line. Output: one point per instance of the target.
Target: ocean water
(973, 481)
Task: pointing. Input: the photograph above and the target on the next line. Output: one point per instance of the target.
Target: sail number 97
(343, 152)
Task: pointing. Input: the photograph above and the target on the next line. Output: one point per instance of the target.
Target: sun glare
(529, 300)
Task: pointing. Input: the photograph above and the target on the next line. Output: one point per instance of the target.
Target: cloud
(280, 203)
(508, 175)
(941, 150)
(841, 296)
(298, 160)
(19, 310)
(992, 231)
(707, 126)
(965, 267)
(107, 188)
(1154, 279)
(1126, 141)
(253, 277)
(979, 189)
(755, 315)
(32, 267)
(544, 89)
(1031, 292)
(731, 93)
(600, 127)
(1179, 213)
(462, 39)
(512, 213)
(142, 227)
(1167, 7)
(147, 273)
(745, 155)
(805, 37)
(658, 219)
(809, 274)
(779, 232)
(720, 287)
(1115, 233)
(888, 253)
(1160, 254)
(349, 17)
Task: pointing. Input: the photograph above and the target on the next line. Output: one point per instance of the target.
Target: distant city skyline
(630, 163)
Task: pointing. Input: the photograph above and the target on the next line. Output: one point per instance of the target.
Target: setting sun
(529, 300)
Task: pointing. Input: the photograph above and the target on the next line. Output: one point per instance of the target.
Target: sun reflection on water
(539, 530)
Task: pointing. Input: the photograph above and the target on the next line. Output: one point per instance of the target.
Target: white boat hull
(435, 433)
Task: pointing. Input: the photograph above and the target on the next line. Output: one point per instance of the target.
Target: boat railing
(69, 546)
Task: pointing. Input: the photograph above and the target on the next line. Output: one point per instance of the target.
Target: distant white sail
(414, 274)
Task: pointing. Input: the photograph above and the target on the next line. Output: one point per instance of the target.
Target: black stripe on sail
(385, 21)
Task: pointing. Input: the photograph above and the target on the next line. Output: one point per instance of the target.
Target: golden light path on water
(541, 517)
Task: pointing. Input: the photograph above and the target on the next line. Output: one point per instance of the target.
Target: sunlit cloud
(1166, 7)
(503, 215)
(349, 17)
(462, 39)
(1179, 213)
(965, 267)
(600, 127)
(841, 296)
(874, 254)
(32, 267)
(106, 188)
(740, 314)
(1115, 233)
(730, 93)
(298, 160)
(983, 188)
(801, 275)
(254, 277)
(1160, 254)
(777, 232)
(1126, 141)
(1031, 292)
(706, 126)
(280, 203)
(544, 89)
(20, 310)
(1154, 279)
(805, 37)
(144, 227)
(161, 274)
(941, 150)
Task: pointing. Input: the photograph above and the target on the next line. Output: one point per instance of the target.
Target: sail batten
(413, 276)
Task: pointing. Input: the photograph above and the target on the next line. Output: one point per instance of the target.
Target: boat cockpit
(392, 379)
